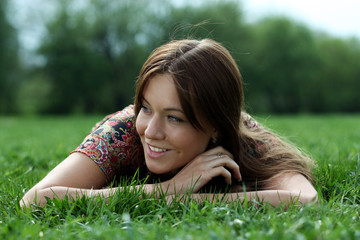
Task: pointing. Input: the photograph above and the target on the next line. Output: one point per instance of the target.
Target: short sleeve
(114, 144)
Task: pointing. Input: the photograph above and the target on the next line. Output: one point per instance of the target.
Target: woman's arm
(285, 189)
(77, 172)
(60, 192)
(295, 185)
(77, 176)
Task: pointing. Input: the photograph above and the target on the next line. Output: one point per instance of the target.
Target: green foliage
(93, 52)
(339, 74)
(281, 67)
(31, 146)
(8, 61)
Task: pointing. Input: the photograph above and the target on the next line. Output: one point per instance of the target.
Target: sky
(338, 18)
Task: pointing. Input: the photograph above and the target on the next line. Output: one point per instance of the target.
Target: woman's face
(169, 140)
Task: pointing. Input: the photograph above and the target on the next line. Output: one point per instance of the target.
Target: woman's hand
(197, 173)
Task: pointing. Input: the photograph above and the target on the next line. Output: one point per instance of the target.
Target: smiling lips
(155, 152)
(158, 150)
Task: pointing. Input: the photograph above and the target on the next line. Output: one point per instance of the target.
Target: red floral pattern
(114, 144)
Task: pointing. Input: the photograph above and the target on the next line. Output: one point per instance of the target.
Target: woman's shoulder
(126, 115)
(114, 144)
(118, 128)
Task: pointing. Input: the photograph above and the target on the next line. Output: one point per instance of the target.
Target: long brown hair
(209, 86)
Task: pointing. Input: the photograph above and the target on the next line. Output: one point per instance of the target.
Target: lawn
(31, 146)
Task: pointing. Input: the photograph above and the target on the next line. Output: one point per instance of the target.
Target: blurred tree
(94, 53)
(222, 21)
(339, 74)
(283, 65)
(8, 62)
(94, 50)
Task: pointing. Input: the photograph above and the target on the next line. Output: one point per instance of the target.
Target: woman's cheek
(140, 124)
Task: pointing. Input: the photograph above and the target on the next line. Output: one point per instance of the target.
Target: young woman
(186, 131)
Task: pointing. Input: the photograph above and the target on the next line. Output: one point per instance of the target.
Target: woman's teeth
(155, 149)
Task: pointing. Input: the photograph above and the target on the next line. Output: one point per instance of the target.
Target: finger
(221, 171)
(225, 161)
(218, 149)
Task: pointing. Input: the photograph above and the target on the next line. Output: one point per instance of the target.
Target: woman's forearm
(39, 196)
(273, 197)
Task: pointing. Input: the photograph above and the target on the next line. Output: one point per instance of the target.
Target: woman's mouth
(155, 152)
(158, 150)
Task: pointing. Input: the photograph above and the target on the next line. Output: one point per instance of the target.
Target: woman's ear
(214, 137)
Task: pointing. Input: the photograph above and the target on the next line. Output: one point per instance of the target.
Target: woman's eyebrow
(171, 109)
(167, 109)
(146, 101)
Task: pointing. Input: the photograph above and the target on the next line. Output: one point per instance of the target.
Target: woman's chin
(161, 170)
(154, 168)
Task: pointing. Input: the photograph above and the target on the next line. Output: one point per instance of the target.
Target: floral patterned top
(115, 146)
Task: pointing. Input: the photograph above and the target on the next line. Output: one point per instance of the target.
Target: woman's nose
(155, 128)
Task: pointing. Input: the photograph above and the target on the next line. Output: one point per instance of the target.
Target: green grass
(30, 147)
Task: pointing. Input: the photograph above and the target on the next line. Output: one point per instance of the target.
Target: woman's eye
(175, 119)
(145, 109)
